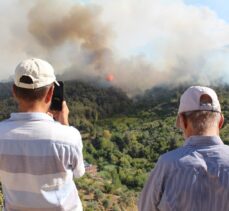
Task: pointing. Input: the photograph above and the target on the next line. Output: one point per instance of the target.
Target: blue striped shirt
(194, 177)
(38, 160)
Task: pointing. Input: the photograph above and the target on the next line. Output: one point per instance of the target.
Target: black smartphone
(58, 97)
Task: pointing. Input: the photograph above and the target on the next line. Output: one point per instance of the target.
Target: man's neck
(33, 107)
(210, 132)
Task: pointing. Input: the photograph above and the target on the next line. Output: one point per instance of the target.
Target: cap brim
(56, 82)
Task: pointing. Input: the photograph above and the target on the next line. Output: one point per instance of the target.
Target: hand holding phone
(59, 109)
(61, 116)
(58, 97)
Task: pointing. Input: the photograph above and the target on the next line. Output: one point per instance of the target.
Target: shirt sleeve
(153, 189)
(78, 161)
(79, 169)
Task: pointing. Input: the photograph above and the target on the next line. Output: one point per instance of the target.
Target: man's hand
(61, 116)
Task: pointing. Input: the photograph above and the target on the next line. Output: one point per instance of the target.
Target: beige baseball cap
(191, 101)
(39, 71)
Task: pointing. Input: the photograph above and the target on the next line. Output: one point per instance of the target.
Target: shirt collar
(203, 141)
(30, 116)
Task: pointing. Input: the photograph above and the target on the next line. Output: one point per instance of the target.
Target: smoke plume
(140, 44)
(78, 25)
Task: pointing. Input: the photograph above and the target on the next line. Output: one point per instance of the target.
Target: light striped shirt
(194, 177)
(38, 159)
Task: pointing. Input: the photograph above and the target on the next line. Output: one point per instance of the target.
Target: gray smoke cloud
(78, 25)
(140, 44)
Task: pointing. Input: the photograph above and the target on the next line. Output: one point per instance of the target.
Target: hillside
(122, 137)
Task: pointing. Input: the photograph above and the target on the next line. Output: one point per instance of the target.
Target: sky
(142, 43)
(221, 7)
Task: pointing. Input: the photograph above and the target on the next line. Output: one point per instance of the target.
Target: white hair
(202, 120)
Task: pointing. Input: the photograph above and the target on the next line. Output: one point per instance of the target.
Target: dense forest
(122, 137)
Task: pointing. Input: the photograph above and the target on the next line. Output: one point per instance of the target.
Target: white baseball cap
(39, 71)
(191, 101)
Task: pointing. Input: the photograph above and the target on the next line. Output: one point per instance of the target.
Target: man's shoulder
(64, 128)
(185, 154)
(5, 124)
(41, 130)
(64, 134)
(4, 121)
(173, 155)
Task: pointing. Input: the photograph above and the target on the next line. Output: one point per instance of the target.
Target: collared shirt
(194, 177)
(38, 159)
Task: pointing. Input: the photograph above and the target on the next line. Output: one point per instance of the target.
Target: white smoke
(142, 43)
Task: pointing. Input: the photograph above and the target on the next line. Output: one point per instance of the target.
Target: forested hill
(87, 100)
(93, 101)
(122, 137)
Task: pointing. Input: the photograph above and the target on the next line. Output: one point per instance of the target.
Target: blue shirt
(194, 177)
(38, 160)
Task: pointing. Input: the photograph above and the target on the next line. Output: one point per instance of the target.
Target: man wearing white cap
(194, 177)
(39, 156)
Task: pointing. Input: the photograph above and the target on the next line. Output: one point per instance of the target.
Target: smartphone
(58, 97)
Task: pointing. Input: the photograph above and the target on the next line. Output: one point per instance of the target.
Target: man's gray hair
(202, 120)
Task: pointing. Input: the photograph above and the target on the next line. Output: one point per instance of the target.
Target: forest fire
(110, 77)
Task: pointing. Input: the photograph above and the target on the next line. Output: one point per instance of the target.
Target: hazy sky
(143, 43)
(221, 7)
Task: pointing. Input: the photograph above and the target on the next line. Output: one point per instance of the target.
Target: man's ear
(221, 121)
(14, 92)
(183, 121)
(49, 94)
